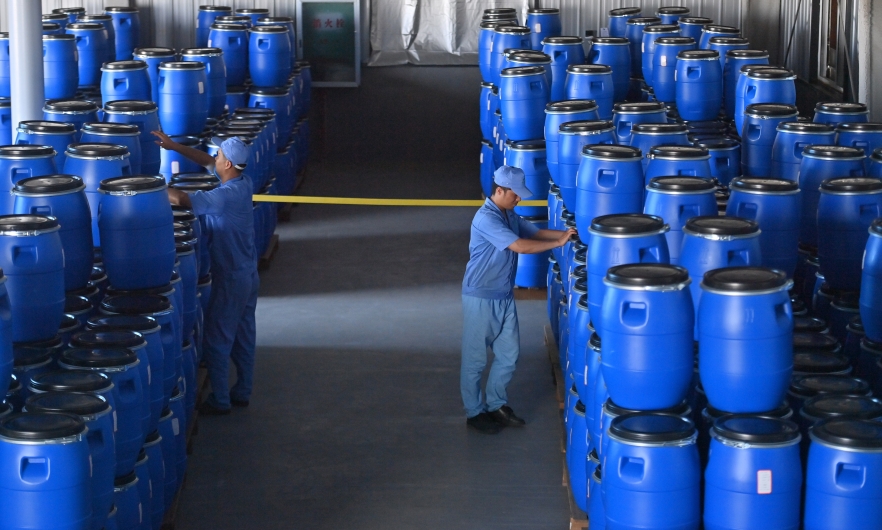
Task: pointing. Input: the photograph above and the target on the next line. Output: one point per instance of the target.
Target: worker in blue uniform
(490, 319)
(229, 328)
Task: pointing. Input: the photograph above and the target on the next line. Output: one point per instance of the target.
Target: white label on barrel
(664, 60)
(140, 513)
(488, 103)
(675, 76)
(201, 87)
(764, 481)
(537, 28)
(643, 47)
(114, 421)
(149, 377)
(176, 167)
(863, 259)
(482, 158)
(176, 428)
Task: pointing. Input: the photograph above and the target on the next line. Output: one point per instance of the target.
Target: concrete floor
(356, 419)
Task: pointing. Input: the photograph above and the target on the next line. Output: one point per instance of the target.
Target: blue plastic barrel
(672, 14)
(871, 286)
(618, 240)
(130, 512)
(676, 200)
(125, 80)
(523, 94)
(609, 181)
(558, 113)
(819, 163)
(626, 115)
(514, 58)
(693, 26)
(753, 477)
(269, 55)
(614, 52)
(185, 247)
(646, 136)
(763, 84)
(54, 134)
(183, 101)
(62, 197)
(835, 113)
(169, 456)
(135, 221)
(30, 445)
(56, 18)
(677, 160)
(572, 137)
(734, 60)
(760, 128)
(745, 364)
(650, 35)
(232, 19)
(529, 155)
(634, 33)
(506, 37)
(487, 167)
(50, 28)
(699, 90)
(92, 50)
(73, 111)
(775, 206)
(805, 387)
(6, 350)
(486, 35)
(145, 116)
(126, 135)
(73, 13)
(154, 57)
(254, 14)
(596, 511)
(792, 138)
(179, 428)
(591, 82)
(664, 66)
(577, 454)
(287, 22)
(647, 322)
(543, 22)
(127, 30)
(610, 411)
(276, 99)
(60, 67)
(618, 20)
(156, 467)
(723, 45)
(205, 19)
(710, 31)
(725, 158)
(18, 162)
(564, 51)
(486, 109)
(107, 22)
(846, 209)
(867, 136)
(651, 461)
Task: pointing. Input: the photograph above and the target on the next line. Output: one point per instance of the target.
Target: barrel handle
(737, 258)
(96, 440)
(34, 470)
(120, 82)
(41, 210)
(593, 56)
(753, 132)
(596, 86)
(624, 127)
(747, 210)
(850, 476)
(693, 72)
(607, 178)
(634, 314)
(263, 44)
(798, 147)
(650, 255)
(631, 469)
(688, 211)
(127, 391)
(784, 313)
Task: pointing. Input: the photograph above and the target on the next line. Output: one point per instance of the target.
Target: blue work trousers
(493, 324)
(230, 334)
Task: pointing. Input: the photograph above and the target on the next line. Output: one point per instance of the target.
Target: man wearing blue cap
(498, 235)
(229, 331)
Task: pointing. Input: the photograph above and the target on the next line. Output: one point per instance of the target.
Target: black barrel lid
(184, 65)
(98, 358)
(841, 107)
(849, 432)
(513, 30)
(702, 21)
(229, 24)
(594, 69)
(662, 28)
(70, 10)
(139, 323)
(201, 52)
(856, 127)
(26, 223)
(673, 10)
(71, 381)
(79, 403)
(746, 54)
(678, 410)
(647, 275)
(269, 91)
(674, 41)
(543, 11)
(111, 128)
(97, 149)
(747, 68)
(137, 304)
(193, 177)
(774, 110)
(782, 411)
(522, 70)
(52, 127)
(275, 20)
(650, 427)
(39, 426)
(813, 385)
(493, 24)
(225, 9)
(75, 303)
(594, 341)
(610, 40)
(124, 65)
(659, 128)
(531, 145)
(744, 279)
(851, 185)
(573, 105)
(685, 184)
(639, 106)
(194, 186)
(125, 480)
(715, 28)
(759, 184)
(698, 55)
(26, 151)
(154, 52)
(644, 21)
(808, 341)
(625, 12)
(565, 40)
(715, 144)
(856, 325)
(95, 18)
(55, 16)
(627, 224)
(825, 406)
(721, 226)
(834, 151)
(129, 105)
(619, 152)
(68, 323)
(49, 184)
(270, 29)
(252, 110)
(805, 127)
(679, 152)
(769, 73)
(133, 183)
(819, 362)
(808, 325)
(252, 11)
(183, 214)
(591, 126)
(108, 339)
(27, 355)
(729, 41)
(85, 26)
(756, 429)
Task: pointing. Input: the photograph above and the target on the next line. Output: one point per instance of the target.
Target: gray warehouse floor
(356, 420)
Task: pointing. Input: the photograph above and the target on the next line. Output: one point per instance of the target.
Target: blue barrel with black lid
(287, 22)
(18, 162)
(125, 80)
(558, 113)
(621, 239)
(543, 22)
(126, 135)
(60, 66)
(50, 28)
(204, 20)
(754, 476)
(72, 13)
(672, 14)
(836, 113)
(759, 131)
(645, 136)
(232, 19)
(185, 248)
(609, 411)
(866, 136)
(647, 322)
(127, 501)
(763, 85)
(709, 31)
(725, 158)
(735, 59)
(791, 140)
(745, 364)
(489, 102)
(254, 14)
(145, 115)
(135, 220)
(73, 111)
(664, 66)
(93, 46)
(154, 56)
(626, 115)
(651, 461)
(805, 387)
(56, 18)
(486, 34)
(846, 209)
(30, 360)
(591, 82)
(169, 457)
(107, 22)
(126, 23)
(269, 55)
(634, 29)
(572, 138)
(97, 414)
(843, 485)
(724, 45)
(699, 90)
(692, 27)
(57, 135)
(677, 160)
(596, 511)
(614, 52)
(183, 102)
(609, 180)
(32, 444)
(62, 197)
(515, 58)
(577, 454)
(774, 204)
(505, 37)
(676, 200)
(529, 155)
(618, 20)
(819, 163)
(871, 284)
(650, 35)
(564, 51)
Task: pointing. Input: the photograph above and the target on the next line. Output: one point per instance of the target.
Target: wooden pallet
(267, 258)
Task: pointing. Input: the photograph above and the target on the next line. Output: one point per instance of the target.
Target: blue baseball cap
(234, 150)
(513, 178)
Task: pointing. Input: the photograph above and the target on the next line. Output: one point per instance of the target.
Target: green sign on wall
(329, 41)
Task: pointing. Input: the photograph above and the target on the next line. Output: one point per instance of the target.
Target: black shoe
(207, 409)
(506, 417)
(483, 423)
(239, 402)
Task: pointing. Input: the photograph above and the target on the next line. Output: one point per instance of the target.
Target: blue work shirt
(490, 272)
(229, 216)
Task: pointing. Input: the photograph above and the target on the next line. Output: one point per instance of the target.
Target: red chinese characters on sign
(328, 23)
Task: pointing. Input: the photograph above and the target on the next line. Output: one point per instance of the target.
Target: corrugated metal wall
(795, 30)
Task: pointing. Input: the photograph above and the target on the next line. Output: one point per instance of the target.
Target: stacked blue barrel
(718, 318)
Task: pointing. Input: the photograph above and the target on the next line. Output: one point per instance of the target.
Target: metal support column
(26, 60)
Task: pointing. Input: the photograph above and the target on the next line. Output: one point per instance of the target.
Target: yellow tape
(378, 202)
